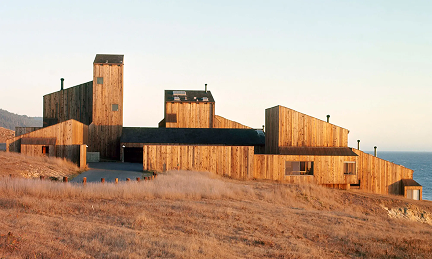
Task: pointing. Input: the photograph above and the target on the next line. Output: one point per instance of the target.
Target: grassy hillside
(6, 134)
(10, 120)
(19, 165)
(198, 215)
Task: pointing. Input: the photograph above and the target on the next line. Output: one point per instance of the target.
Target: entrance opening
(133, 154)
(45, 150)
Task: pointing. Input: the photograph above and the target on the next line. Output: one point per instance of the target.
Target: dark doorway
(133, 154)
(45, 150)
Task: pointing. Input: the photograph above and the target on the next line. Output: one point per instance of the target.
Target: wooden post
(138, 179)
(65, 179)
(102, 180)
(116, 180)
(127, 179)
(84, 180)
(42, 177)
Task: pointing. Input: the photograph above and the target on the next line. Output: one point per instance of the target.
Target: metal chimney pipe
(206, 88)
(328, 118)
(375, 152)
(358, 144)
(61, 79)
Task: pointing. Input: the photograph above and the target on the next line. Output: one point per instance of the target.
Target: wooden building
(98, 103)
(193, 109)
(286, 127)
(67, 140)
(134, 139)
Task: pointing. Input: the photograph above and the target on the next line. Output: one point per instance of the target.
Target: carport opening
(133, 154)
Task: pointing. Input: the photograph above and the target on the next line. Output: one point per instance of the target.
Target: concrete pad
(110, 171)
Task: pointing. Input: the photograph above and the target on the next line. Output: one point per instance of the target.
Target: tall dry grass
(20, 165)
(199, 215)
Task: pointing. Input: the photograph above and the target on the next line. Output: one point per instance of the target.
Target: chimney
(358, 144)
(61, 79)
(206, 88)
(263, 128)
(375, 152)
(328, 118)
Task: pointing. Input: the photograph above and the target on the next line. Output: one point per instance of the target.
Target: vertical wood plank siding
(221, 122)
(24, 130)
(231, 161)
(190, 114)
(106, 128)
(70, 135)
(71, 103)
(239, 162)
(286, 127)
(380, 176)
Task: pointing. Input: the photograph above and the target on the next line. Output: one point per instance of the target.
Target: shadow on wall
(396, 188)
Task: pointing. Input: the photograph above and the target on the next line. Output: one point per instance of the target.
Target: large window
(298, 168)
(349, 167)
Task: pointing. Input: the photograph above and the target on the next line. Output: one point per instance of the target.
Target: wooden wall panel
(106, 128)
(221, 122)
(24, 130)
(327, 169)
(286, 127)
(190, 114)
(380, 176)
(71, 103)
(272, 123)
(231, 161)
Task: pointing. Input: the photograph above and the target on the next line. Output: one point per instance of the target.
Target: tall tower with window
(107, 122)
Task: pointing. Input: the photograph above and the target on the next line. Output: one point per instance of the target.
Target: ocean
(420, 162)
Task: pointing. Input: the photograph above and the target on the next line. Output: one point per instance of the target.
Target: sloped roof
(108, 59)
(228, 137)
(189, 96)
(410, 182)
(317, 151)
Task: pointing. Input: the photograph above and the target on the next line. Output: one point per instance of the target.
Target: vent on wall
(179, 92)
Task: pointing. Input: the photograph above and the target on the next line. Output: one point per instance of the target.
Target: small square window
(171, 117)
(99, 80)
(114, 107)
(349, 167)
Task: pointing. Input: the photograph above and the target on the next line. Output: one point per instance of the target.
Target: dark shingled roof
(317, 151)
(189, 97)
(38, 141)
(228, 137)
(409, 182)
(108, 59)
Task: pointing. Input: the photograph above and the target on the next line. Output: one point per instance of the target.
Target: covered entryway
(133, 154)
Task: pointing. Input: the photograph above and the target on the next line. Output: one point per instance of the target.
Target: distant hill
(10, 120)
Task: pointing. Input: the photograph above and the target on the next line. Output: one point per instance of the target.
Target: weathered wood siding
(106, 128)
(231, 161)
(36, 150)
(24, 130)
(71, 103)
(190, 114)
(327, 169)
(221, 122)
(286, 127)
(380, 176)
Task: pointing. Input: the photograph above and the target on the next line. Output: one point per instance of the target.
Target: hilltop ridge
(11, 120)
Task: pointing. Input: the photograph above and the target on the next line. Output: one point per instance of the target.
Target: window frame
(307, 166)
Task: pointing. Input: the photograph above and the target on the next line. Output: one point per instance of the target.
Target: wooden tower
(107, 123)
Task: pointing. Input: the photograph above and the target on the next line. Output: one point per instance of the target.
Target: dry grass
(198, 215)
(19, 165)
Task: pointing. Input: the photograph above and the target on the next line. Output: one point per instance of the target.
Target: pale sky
(366, 63)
